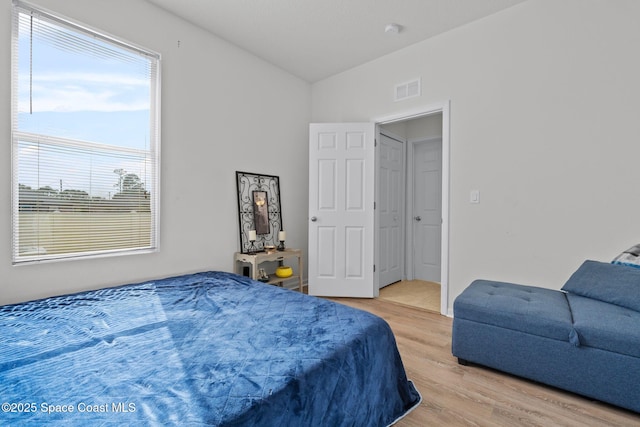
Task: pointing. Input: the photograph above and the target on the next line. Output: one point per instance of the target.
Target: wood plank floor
(455, 395)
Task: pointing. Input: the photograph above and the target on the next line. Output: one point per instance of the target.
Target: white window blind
(85, 140)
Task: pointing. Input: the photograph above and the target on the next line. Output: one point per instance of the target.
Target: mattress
(207, 349)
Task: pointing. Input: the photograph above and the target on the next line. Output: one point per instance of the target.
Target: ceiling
(314, 39)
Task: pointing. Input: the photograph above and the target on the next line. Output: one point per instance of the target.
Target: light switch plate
(474, 196)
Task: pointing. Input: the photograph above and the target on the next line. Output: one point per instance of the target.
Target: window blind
(85, 140)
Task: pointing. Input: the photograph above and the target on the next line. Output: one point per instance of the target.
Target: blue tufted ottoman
(533, 333)
(524, 309)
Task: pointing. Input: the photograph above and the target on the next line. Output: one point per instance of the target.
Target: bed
(207, 349)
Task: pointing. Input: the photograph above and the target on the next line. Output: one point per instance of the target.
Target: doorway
(423, 239)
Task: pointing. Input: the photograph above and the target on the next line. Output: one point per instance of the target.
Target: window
(85, 141)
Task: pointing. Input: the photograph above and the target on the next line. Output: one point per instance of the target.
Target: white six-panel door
(341, 215)
(389, 206)
(427, 213)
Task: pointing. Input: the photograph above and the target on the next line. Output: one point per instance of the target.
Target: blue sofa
(584, 339)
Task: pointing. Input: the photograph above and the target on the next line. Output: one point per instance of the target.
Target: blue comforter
(204, 349)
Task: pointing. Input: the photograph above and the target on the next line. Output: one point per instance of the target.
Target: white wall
(545, 103)
(222, 110)
(425, 127)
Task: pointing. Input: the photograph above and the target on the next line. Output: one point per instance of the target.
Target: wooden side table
(258, 258)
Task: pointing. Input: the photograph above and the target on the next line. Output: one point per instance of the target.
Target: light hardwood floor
(455, 395)
(416, 293)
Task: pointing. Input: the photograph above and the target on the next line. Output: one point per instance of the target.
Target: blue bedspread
(204, 349)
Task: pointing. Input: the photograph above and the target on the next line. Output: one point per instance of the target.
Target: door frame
(427, 110)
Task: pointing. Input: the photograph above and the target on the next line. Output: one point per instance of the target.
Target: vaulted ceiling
(314, 39)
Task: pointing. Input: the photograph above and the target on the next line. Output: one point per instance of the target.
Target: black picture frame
(265, 218)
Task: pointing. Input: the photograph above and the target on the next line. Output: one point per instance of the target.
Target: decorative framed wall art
(258, 210)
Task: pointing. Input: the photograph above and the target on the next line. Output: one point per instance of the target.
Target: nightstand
(258, 258)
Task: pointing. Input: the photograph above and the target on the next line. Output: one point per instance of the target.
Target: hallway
(414, 293)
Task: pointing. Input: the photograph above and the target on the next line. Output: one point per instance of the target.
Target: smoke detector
(392, 29)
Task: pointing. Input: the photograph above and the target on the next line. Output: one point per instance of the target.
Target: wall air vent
(407, 90)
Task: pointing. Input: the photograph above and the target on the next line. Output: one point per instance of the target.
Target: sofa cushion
(606, 326)
(615, 284)
(536, 311)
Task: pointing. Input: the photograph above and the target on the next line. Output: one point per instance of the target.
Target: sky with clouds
(93, 99)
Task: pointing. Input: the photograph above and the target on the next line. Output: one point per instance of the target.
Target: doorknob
(418, 218)
(314, 219)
